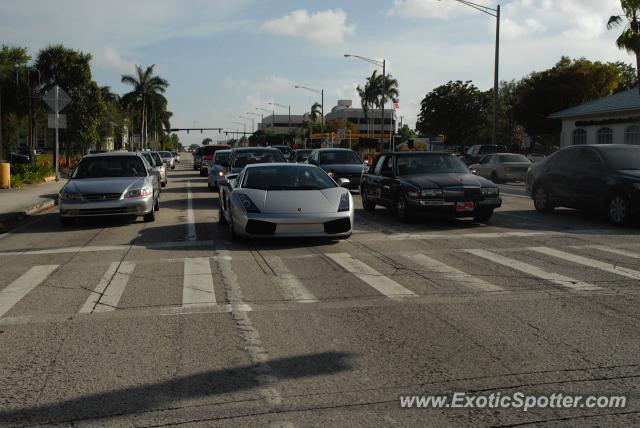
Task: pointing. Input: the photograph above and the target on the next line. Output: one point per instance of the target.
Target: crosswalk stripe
(372, 277)
(93, 299)
(289, 283)
(19, 288)
(454, 274)
(198, 283)
(617, 251)
(111, 294)
(556, 278)
(586, 261)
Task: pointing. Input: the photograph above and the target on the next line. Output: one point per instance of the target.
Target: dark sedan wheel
(221, 218)
(541, 200)
(494, 177)
(619, 210)
(367, 203)
(156, 205)
(402, 209)
(151, 217)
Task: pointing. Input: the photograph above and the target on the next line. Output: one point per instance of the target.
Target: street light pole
(262, 119)
(283, 106)
(496, 14)
(321, 93)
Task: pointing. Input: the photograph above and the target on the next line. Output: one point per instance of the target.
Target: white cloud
(231, 83)
(434, 9)
(273, 84)
(109, 58)
(325, 27)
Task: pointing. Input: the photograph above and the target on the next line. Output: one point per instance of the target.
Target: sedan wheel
(402, 208)
(221, 218)
(367, 204)
(541, 200)
(619, 210)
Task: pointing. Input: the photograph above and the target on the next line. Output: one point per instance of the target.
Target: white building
(280, 122)
(609, 120)
(370, 125)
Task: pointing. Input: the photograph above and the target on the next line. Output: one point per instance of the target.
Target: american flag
(396, 103)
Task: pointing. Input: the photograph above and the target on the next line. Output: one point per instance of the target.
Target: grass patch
(29, 174)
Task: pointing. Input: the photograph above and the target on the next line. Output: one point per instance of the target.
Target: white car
(502, 167)
(285, 200)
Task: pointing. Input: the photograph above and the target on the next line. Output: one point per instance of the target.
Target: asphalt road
(152, 324)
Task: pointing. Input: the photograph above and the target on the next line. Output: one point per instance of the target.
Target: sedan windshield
(110, 166)
(339, 157)
(302, 155)
(514, 158)
(149, 158)
(620, 158)
(257, 156)
(166, 154)
(221, 156)
(284, 177)
(430, 164)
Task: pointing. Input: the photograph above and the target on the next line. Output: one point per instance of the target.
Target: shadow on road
(138, 399)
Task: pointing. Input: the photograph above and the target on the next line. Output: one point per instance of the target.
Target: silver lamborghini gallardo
(285, 200)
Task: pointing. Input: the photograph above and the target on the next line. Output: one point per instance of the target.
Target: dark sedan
(604, 178)
(339, 163)
(435, 183)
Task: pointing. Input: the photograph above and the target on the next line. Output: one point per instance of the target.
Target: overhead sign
(50, 98)
(62, 121)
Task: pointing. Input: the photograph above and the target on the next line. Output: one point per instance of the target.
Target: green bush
(28, 174)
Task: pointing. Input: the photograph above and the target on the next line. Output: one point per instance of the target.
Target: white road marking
(586, 261)
(370, 276)
(289, 283)
(556, 278)
(198, 283)
(95, 296)
(96, 248)
(19, 288)
(612, 250)
(111, 294)
(191, 222)
(454, 274)
(480, 235)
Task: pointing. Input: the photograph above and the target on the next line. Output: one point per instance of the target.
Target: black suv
(604, 178)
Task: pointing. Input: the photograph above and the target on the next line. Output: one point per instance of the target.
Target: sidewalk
(16, 204)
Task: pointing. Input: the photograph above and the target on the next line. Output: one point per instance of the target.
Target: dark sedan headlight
(247, 203)
(432, 193)
(69, 196)
(490, 191)
(344, 202)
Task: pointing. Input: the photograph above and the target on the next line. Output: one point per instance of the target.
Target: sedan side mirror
(473, 171)
(342, 182)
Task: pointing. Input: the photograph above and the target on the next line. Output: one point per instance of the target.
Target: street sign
(342, 134)
(62, 121)
(50, 98)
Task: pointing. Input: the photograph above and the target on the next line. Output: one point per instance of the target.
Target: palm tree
(629, 40)
(145, 87)
(316, 112)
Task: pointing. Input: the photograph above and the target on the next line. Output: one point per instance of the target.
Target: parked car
(300, 155)
(243, 156)
(535, 157)
(167, 159)
(285, 200)
(339, 163)
(157, 166)
(603, 178)
(502, 167)
(176, 156)
(197, 158)
(477, 152)
(110, 184)
(286, 151)
(207, 153)
(429, 182)
(216, 170)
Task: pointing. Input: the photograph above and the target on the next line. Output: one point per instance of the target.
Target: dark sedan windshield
(283, 177)
(244, 158)
(302, 155)
(339, 157)
(221, 156)
(110, 166)
(430, 164)
(619, 158)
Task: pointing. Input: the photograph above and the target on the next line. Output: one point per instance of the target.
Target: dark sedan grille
(463, 194)
(257, 227)
(337, 226)
(101, 196)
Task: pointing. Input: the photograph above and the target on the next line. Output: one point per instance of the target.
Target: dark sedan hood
(430, 181)
(355, 168)
(633, 174)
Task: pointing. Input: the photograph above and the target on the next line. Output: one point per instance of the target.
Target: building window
(632, 135)
(579, 136)
(605, 136)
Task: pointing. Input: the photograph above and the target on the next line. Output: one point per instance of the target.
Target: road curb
(9, 219)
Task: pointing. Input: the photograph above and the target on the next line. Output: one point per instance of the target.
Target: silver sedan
(285, 200)
(110, 184)
(502, 167)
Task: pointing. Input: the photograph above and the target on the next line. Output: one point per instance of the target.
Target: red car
(207, 156)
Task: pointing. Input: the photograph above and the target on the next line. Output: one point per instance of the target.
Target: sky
(225, 58)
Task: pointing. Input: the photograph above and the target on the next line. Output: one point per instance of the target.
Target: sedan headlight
(248, 204)
(344, 202)
(490, 191)
(432, 193)
(137, 193)
(330, 173)
(221, 173)
(69, 196)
